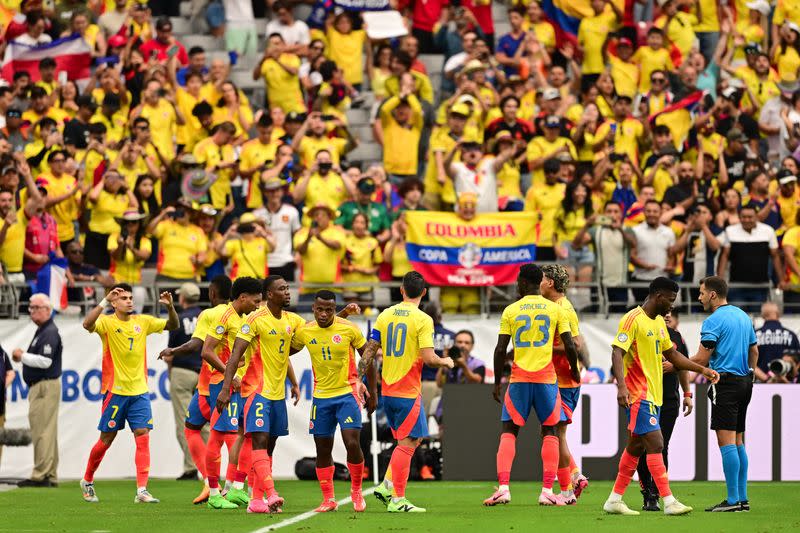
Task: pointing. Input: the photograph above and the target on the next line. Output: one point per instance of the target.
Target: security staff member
(670, 408)
(184, 371)
(41, 372)
(774, 340)
(728, 345)
(7, 375)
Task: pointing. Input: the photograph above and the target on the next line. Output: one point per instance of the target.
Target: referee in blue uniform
(728, 345)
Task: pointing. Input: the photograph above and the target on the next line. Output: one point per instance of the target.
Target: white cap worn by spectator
(762, 6)
(551, 93)
(190, 291)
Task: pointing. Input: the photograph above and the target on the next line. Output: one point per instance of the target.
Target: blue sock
(730, 465)
(742, 473)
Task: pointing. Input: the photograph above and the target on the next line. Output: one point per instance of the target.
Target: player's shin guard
(95, 458)
(325, 477)
(263, 474)
(549, 461)
(627, 466)
(213, 458)
(142, 460)
(743, 464)
(356, 475)
(730, 466)
(197, 449)
(244, 464)
(655, 463)
(505, 457)
(564, 479)
(401, 464)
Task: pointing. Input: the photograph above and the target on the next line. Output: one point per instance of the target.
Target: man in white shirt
(295, 33)
(654, 254)
(111, 21)
(35, 35)
(284, 221)
(476, 174)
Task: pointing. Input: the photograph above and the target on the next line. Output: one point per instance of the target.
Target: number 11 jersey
(533, 322)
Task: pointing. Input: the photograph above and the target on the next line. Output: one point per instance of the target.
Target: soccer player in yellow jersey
(126, 396)
(338, 394)
(640, 345)
(225, 324)
(404, 334)
(534, 322)
(554, 285)
(198, 414)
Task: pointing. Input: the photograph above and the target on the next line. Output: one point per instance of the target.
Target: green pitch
(451, 507)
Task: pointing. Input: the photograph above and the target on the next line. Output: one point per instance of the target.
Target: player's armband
(709, 344)
(375, 335)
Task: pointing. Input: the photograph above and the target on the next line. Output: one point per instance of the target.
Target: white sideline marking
(306, 515)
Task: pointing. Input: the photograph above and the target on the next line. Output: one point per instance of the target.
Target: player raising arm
(405, 335)
(533, 321)
(636, 356)
(126, 396)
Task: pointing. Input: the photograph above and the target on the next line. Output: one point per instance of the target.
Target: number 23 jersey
(533, 322)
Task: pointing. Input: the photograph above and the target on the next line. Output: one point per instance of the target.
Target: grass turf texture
(451, 506)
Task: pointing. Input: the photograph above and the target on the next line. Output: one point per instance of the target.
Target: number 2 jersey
(533, 322)
(332, 352)
(266, 373)
(643, 339)
(125, 352)
(402, 330)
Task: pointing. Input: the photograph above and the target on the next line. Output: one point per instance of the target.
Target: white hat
(551, 93)
(762, 6)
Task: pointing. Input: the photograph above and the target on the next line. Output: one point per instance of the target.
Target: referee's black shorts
(729, 400)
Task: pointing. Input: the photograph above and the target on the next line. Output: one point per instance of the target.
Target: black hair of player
(414, 284)
(531, 274)
(246, 285)
(222, 285)
(662, 284)
(269, 281)
(124, 286)
(716, 284)
(325, 295)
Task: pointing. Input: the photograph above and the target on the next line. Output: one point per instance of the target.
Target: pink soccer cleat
(327, 506)
(568, 500)
(500, 497)
(359, 505)
(275, 503)
(579, 483)
(546, 498)
(258, 505)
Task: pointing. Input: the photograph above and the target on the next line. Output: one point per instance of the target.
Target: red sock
(655, 463)
(269, 484)
(573, 468)
(401, 464)
(197, 448)
(549, 460)
(325, 477)
(245, 460)
(627, 466)
(263, 474)
(142, 459)
(95, 457)
(505, 457)
(356, 475)
(564, 479)
(213, 457)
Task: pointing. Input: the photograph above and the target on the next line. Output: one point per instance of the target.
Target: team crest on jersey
(259, 423)
(137, 328)
(234, 421)
(337, 339)
(245, 328)
(653, 421)
(622, 337)
(289, 330)
(310, 424)
(663, 334)
(221, 329)
(112, 424)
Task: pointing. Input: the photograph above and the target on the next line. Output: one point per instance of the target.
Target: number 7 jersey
(533, 323)
(402, 330)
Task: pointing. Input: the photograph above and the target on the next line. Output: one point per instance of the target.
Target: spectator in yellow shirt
(182, 246)
(280, 71)
(41, 107)
(401, 64)
(624, 72)
(255, 158)
(786, 52)
(63, 196)
(231, 108)
(592, 35)
(401, 123)
(652, 56)
(163, 116)
(321, 249)
(323, 185)
(129, 249)
(348, 47)
(217, 155)
(108, 200)
(551, 144)
(623, 134)
(362, 260)
(247, 244)
(678, 26)
(312, 137)
(545, 200)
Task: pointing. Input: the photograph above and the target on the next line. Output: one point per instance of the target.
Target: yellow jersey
(627, 135)
(177, 246)
(248, 257)
(210, 154)
(270, 339)
(224, 324)
(560, 361)
(65, 212)
(125, 352)
(201, 329)
(283, 88)
(320, 264)
(545, 200)
(332, 352)
(347, 50)
(402, 330)
(625, 76)
(163, 124)
(116, 125)
(592, 33)
(129, 269)
(362, 252)
(644, 340)
(442, 141)
(329, 191)
(12, 251)
(649, 60)
(541, 147)
(254, 154)
(533, 322)
(309, 146)
(107, 207)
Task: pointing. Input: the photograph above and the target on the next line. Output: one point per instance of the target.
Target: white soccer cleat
(676, 508)
(89, 495)
(548, 498)
(145, 497)
(619, 507)
(500, 497)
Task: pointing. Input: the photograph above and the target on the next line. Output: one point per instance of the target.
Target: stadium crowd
(659, 140)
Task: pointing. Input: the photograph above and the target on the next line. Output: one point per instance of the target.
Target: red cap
(116, 41)
(624, 41)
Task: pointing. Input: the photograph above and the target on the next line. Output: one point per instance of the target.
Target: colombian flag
(487, 250)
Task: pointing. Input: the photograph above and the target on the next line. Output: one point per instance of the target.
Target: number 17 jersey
(533, 323)
(402, 330)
